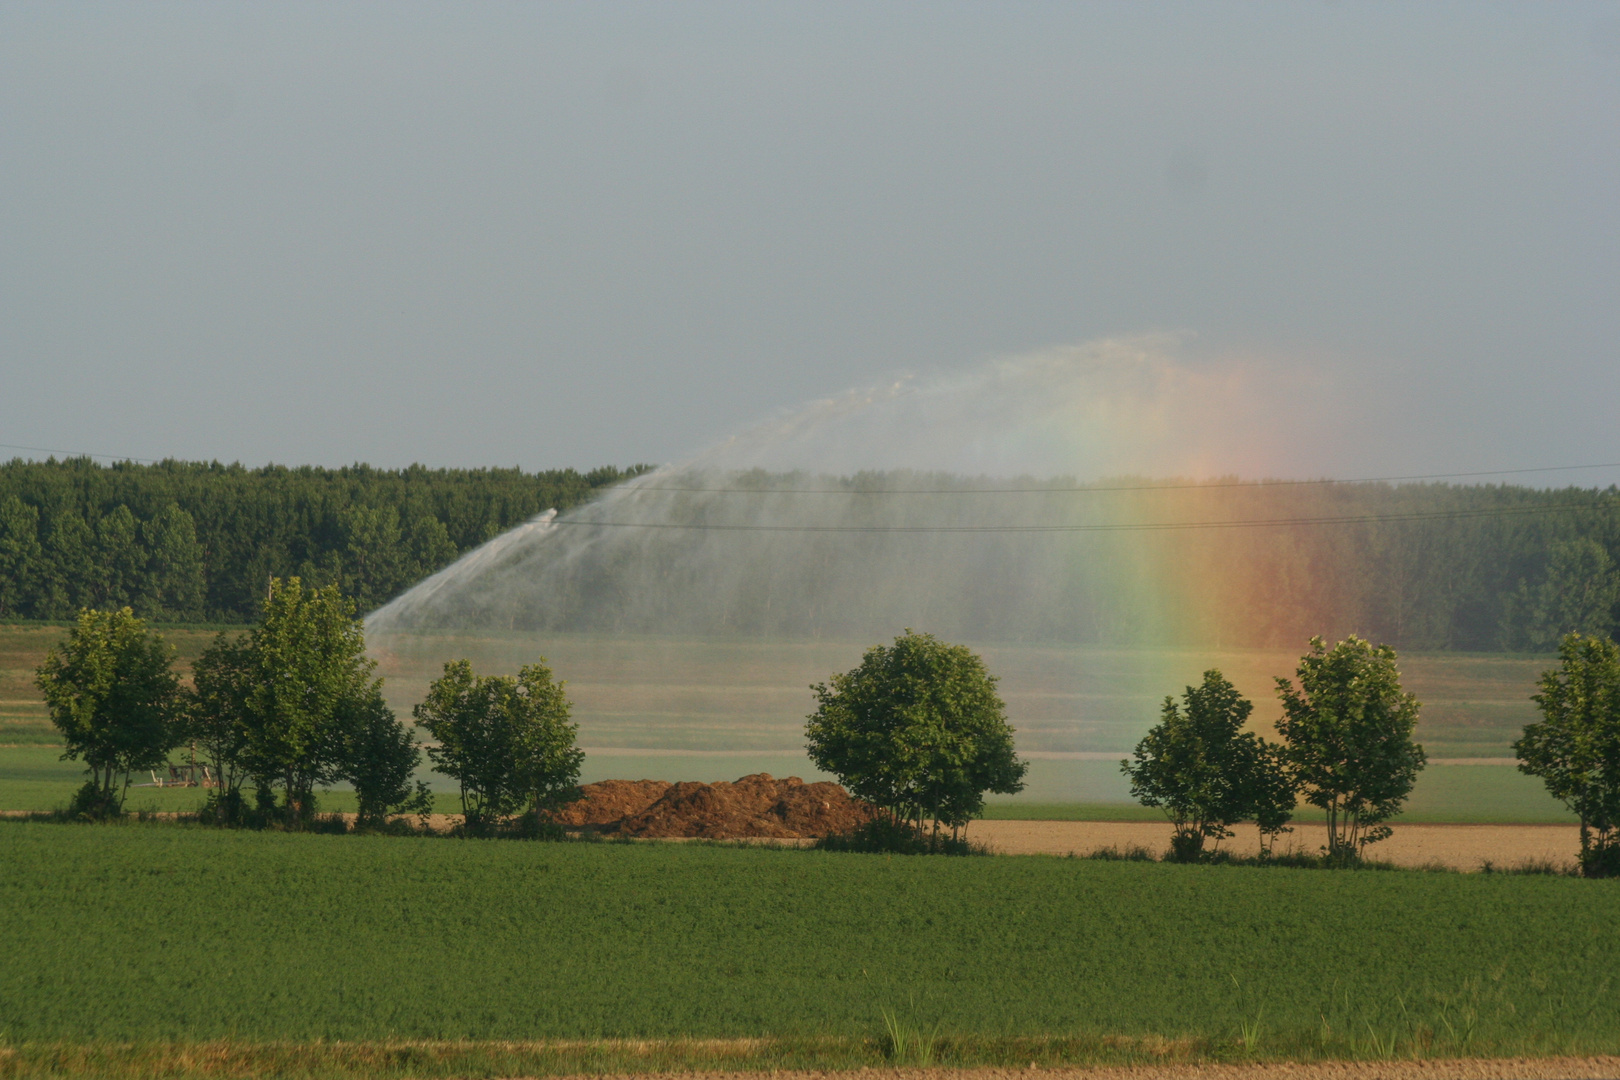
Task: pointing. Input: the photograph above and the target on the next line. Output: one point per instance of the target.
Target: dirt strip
(1460, 847)
(1560, 1068)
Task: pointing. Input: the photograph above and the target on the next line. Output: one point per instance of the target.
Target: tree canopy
(1207, 772)
(113, 694)
(293, 705)
(917, 729)
(195, 541)
(1575, 747)
(1349, 728)
(508, 742)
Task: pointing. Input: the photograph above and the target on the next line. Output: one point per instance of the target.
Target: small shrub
(1133, 853)
(1545, 867)
(92, 803)
(885, 835)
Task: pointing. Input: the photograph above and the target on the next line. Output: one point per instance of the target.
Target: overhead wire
(80, 453)
(1147, 526)
(1087, 488)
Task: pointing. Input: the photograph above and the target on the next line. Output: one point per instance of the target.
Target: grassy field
(706, 697)
(34, 778)
(159, 932)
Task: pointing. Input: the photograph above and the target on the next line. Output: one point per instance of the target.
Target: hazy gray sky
(576, 234)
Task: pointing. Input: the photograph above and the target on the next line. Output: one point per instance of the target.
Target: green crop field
(159, 932)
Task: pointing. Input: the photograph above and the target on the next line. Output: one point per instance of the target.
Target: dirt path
(1564, 1068)
(1462, 847)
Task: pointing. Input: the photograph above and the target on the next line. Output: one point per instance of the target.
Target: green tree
(918, 730)
(1206, 772)
(1349, 731)
(378, 757)
(373, 558)
(175, 580)
(121, 558)
(431, 548)
(509, 743)
(1575, 748)
(20, 555)
(113, 694)
(1577, 595)
(309, 676)
(216, 720)
(70, 575)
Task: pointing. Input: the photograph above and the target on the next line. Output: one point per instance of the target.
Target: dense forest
(1425, 566)
(189, 542)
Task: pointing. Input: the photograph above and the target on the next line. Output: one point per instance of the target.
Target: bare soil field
(1460, 847)
(1551, 1068)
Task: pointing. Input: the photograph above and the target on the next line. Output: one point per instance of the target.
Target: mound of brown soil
(754, 806)
(757, 805)
(609, 802)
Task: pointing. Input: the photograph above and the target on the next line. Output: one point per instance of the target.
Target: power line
(1087, 488)
(79, 453)
(1149, 526)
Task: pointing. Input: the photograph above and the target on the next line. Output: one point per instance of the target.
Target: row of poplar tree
(293, 706)
(1347, 749)
(196, 541)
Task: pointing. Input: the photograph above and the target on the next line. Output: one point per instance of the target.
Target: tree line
(917, 729)
(1346, 748)
(294, 706)
(193, 542)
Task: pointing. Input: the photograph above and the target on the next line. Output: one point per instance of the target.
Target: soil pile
(609, 802)
(754, 806)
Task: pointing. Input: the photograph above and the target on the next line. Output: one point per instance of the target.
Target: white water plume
(947, 503)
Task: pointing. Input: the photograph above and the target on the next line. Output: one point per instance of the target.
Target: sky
(579, 234)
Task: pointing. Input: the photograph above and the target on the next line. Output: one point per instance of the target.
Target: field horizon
(716, 709)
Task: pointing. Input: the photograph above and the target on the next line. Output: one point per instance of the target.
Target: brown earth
(755, 806)
(1551, 1068)
(608, 802)
(1459, 847)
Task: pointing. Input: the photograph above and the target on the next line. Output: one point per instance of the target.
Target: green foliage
(196, 541)
(217, 721)
(1349, 728)
(377, 756)
(887, 835)
(1576, 594)
(309, 683)
(906, 1042)
(113, 694)
(275, 936)
(508, 742)
(1207, 772)
(918, 730)
(293, 702)
(175, 584)
(121, 560)
(20, 555)
(1575, 748)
